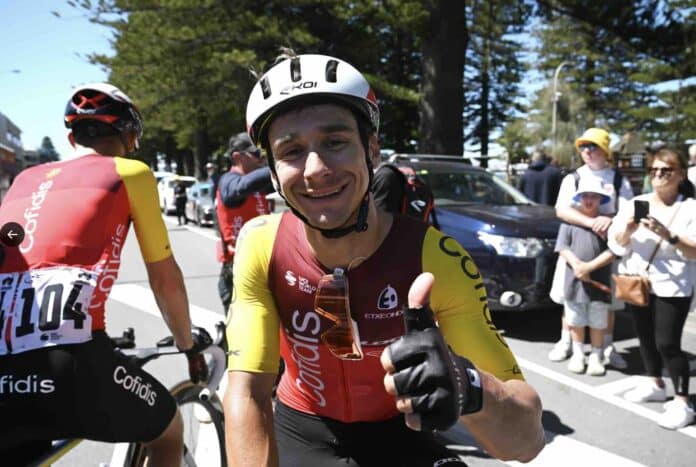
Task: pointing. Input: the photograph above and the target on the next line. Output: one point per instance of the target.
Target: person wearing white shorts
(579, 316)
(586, 289)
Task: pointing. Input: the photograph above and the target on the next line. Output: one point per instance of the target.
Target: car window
(468, 186)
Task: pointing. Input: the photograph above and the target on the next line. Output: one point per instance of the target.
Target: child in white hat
(588, 268)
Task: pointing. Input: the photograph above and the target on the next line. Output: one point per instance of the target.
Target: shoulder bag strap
(657, 246)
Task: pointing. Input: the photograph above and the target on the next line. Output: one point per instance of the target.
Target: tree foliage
(446, 72)
(187, 62)
(612, 78)
(494, 70)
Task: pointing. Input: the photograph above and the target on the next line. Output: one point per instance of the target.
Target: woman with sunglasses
(357, 389)
(668, 236)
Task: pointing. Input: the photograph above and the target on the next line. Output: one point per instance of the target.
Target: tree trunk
(169, 153)
(444, 45)
(484, 127)
(202, 149)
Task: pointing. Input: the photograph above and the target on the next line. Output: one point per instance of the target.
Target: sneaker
(561, 351)
(678, 414)
(577, 363)
(614, 358)
(595, 367)
(646, 392)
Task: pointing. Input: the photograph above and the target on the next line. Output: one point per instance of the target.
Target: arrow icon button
(11, 234)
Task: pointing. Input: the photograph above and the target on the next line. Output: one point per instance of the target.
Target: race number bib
(45, 307)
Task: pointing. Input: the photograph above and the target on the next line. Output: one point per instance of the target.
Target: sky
(50, 54)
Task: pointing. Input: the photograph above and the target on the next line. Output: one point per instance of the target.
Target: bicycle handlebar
(126, 344)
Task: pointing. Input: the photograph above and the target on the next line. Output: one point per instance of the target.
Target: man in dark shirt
(541, 181)
(240, 196)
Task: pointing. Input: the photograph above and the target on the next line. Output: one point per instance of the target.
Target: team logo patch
(302, 282)
(388, 299)
(290, 278)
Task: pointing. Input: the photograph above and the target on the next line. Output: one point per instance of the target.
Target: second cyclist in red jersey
(76, 215)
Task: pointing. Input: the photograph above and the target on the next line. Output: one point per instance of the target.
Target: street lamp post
(554, 99)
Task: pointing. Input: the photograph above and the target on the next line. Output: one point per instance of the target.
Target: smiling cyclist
(59, 374)
(356, 390)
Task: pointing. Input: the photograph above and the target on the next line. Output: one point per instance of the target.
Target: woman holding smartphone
(663, 222)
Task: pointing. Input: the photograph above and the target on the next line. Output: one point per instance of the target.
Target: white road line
(624, 384)
(197, 230)
(141, 298)
(600, 394)
(559, 450)
(620, 385)
(565, 451)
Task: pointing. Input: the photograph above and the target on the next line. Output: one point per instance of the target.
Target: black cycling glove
(441, 385)
(198, 368)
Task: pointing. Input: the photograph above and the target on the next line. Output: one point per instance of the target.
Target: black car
(510, 238)
(199, 206)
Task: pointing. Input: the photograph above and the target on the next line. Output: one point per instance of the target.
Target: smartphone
(640, 209)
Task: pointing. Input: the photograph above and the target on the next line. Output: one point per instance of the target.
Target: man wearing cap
(593, 147)
(240, 196)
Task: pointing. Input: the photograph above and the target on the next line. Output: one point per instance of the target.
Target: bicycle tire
(187, 396)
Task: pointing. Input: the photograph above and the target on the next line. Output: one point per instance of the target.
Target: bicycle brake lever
(166, 342)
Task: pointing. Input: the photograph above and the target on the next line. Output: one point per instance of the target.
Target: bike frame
(165, 347)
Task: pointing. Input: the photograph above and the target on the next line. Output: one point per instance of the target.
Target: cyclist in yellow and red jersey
(240, 195)
(59, 374)
(369, 373)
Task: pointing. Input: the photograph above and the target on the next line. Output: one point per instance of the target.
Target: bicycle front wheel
(204, 435)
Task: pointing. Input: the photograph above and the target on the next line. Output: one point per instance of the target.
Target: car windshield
(469, 186)
(204, 190)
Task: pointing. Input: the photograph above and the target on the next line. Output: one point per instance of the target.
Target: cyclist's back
(76, 214)
(60, 375)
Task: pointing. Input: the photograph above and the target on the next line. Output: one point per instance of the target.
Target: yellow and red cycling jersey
(275, 280)
(76, 215)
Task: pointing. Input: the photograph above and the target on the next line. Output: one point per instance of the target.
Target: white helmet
(308, 75)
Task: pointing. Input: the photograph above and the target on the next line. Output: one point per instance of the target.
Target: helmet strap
(363, 210)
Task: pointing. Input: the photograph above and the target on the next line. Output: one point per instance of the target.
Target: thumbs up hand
(432, 385)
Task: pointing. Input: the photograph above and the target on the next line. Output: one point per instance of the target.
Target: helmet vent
(295, 71)
(265, 88)
(331, 67)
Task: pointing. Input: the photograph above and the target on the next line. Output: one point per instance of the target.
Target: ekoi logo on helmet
(298, 87)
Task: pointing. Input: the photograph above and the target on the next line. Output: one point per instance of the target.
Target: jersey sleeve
(459, 302)
(144, 208)
(253, 327)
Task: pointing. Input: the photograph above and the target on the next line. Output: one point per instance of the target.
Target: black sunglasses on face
(589, 146)
(665, 171)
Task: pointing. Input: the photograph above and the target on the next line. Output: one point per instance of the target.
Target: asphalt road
(587, 422)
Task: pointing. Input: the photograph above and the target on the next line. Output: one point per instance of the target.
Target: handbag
(632, 288)
(635, 288)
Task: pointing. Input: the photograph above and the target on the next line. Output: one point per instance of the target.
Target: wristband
(441, 385)
(470, 394)
(673, 239)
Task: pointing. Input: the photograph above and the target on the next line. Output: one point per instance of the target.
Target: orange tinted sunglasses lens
(332, 302)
